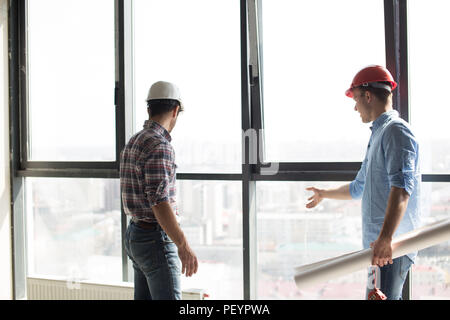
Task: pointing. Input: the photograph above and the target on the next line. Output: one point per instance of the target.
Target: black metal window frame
(396, 46)
(252, 118)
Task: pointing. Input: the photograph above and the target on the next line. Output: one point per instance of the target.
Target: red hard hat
(372, 74)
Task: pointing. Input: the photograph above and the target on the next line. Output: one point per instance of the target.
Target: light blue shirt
(392, 159)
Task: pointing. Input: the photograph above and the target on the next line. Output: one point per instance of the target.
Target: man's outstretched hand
(315, 199)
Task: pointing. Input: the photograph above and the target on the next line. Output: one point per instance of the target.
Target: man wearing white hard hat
(154, 241)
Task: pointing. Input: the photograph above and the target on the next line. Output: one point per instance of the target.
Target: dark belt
(146, 225)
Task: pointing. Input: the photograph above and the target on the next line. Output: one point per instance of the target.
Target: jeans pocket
(147, 254)
(166, 238)
(126, 243)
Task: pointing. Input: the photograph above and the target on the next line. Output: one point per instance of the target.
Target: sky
(71, 75)
(310, 55)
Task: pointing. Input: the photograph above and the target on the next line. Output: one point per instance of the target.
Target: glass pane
(311, 55)
(173, 44)
(289, 236)
(428, 71)
(71, 80)
(74, 228)
(211, 218)
(430, 273)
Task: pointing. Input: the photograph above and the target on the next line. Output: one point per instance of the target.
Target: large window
(196, 45)
(430, 273)
(172, 43)
(74, 228)
(428, 76)
(310, 55)
(429, 117)
(76, 114)
(80, 72)
(289, 236)
(71, 112)
(211, 218)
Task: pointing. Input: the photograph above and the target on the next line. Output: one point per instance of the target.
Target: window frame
(395, 12)
(70, 168)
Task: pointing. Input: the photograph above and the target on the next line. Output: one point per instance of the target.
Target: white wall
(5, 209)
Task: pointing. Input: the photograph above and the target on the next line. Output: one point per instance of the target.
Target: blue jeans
(392, 278)
(157, 268)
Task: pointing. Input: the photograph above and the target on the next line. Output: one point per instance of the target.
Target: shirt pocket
(378, 173)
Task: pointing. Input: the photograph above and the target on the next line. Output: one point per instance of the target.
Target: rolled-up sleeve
(158, 172)
(357, 185)
(401, 157)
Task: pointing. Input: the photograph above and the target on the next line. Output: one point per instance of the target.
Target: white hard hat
(164, 90)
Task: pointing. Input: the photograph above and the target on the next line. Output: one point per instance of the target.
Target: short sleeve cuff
(155, 201)
(160, 195)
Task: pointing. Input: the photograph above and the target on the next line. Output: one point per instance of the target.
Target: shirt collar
(155, 126)
(378, 122)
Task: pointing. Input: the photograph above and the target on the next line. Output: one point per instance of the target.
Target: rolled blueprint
(332, 268)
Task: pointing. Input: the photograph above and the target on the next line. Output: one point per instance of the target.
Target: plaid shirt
(147, 172)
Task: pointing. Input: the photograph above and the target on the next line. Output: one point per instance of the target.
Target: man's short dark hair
(382, 94)
(161, 106)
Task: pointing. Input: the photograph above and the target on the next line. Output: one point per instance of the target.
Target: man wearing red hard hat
(388, 181)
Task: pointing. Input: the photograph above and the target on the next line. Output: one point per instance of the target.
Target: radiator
(60, 289)
(53, 289)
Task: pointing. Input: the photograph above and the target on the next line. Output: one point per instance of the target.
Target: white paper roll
(332, 268)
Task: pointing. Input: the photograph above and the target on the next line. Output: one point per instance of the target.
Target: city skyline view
(70, 240)
(74, 226)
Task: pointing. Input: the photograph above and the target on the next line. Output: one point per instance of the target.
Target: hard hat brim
(349, 93)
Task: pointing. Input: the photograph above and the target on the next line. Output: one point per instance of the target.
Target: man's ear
(368, 96)
(175, 112)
